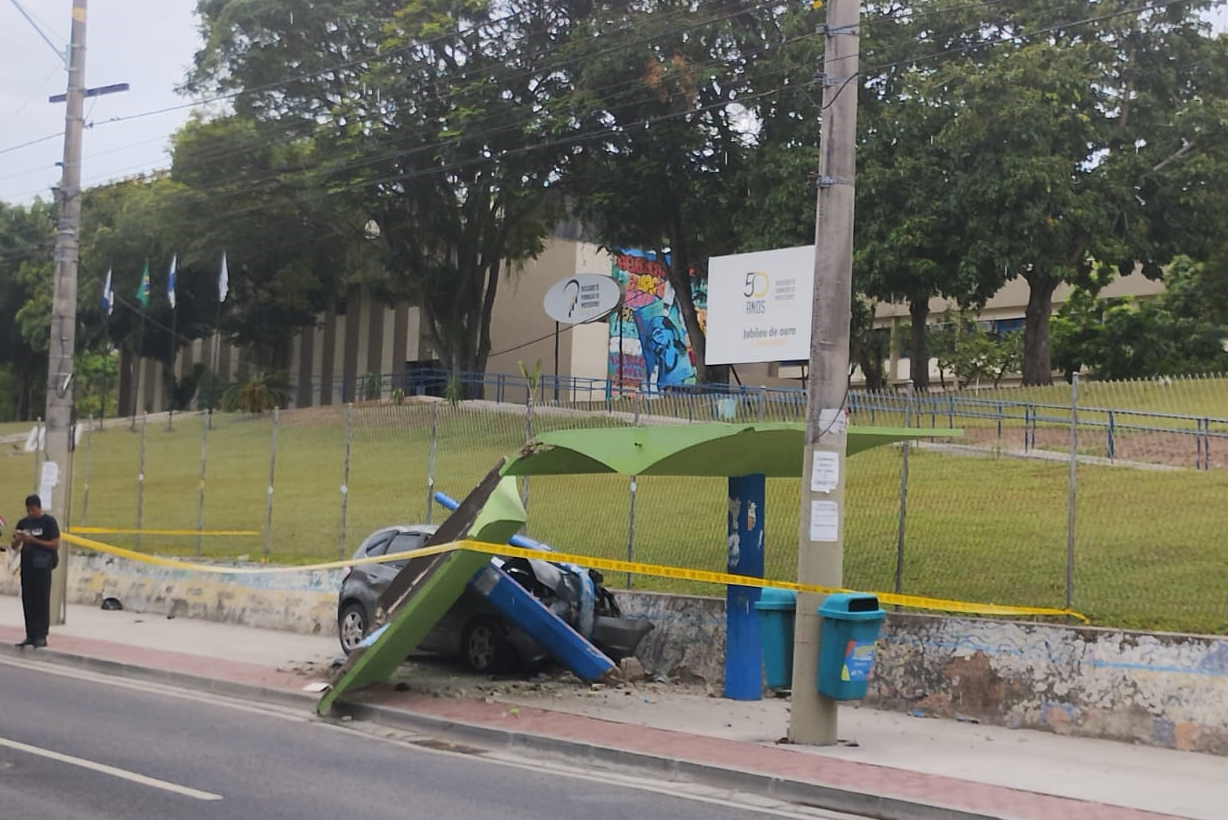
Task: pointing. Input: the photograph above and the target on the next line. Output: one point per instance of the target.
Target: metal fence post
(205, 423)
(268, 503)
(899, 531)
(345, 477)
(140, 481)
(631, 528)
(528, 436)
(89, 450)
(430, 460)
(1112, 446)
(1070, 501)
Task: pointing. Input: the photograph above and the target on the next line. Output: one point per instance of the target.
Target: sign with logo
(760, 306)
(582, 298)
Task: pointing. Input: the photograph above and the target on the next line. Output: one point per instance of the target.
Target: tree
(27, 237)
(971, 353)
(126, 226)
(429, 119)
(1091, 137)
(1182, 331)
(908, 245)
(660, 91)
(290, 244)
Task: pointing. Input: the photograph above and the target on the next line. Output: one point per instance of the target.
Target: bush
(259, 394)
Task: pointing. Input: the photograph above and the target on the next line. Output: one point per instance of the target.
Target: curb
(126, 671)
(805, 793)
(813, 795)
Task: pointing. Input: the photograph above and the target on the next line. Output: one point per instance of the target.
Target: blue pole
(743, 648)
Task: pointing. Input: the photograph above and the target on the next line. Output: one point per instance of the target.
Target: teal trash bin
(776, 608)
(850, 624)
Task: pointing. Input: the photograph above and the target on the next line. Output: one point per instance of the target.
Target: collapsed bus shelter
(745, 454)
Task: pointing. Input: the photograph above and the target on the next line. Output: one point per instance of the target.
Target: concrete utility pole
(55, 484)
(820, 554)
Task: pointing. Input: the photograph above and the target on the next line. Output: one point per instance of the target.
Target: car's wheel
(485, 646)
(352, 626)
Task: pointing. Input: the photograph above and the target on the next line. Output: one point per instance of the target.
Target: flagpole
(102, 404)
(142, 296)
(108, 305)
(223, 287)
(170, 416)
(140, 343)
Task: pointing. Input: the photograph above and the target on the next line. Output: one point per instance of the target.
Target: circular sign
(582, 298)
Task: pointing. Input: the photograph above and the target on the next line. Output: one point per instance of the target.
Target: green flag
(142, 290)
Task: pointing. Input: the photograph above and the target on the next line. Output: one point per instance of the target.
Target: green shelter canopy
(773, 449)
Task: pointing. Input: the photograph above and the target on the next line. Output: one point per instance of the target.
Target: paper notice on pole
(46, 484)
(833, 421)
(824, 521)
(824, 472)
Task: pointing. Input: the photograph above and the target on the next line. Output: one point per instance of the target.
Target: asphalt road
(74, 745)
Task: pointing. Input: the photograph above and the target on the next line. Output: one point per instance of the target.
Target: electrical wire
(364, 161)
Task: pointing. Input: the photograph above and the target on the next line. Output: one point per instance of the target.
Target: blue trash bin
(776, 608)
(850, 625)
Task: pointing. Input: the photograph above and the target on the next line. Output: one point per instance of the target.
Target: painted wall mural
(649, 346)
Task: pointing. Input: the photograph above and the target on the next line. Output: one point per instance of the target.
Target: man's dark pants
(36, 602)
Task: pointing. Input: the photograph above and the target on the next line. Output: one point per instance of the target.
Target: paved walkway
(888, 764)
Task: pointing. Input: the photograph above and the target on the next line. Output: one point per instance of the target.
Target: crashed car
(473, 630)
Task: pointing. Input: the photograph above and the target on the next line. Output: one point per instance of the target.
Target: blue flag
(108, 295)
(170, 281)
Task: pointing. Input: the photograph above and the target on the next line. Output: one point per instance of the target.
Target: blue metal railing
(736, 402)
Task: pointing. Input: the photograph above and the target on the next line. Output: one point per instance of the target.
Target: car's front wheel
(352, 626)
(485, 646)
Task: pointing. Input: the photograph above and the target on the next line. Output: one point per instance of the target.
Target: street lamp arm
(62, 54)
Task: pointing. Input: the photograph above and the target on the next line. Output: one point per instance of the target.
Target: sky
(148, 44)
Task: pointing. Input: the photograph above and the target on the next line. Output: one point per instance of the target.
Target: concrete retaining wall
(1160, 689)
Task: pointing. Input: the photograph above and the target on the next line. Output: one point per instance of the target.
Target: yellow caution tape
(636, 568)
(121, 531)
(217, 569)
(604, 564)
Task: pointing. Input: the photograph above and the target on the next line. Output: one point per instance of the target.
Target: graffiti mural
(649, 347)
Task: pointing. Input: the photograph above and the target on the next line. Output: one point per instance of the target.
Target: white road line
(123, 774)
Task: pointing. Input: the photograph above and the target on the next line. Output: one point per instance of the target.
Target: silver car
(473, 629)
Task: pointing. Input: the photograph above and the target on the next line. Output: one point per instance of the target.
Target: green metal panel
(421, 594)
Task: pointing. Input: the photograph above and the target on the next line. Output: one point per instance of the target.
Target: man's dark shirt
(42, 527)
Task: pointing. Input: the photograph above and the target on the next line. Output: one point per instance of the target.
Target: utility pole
(820, 554)
(57, 468)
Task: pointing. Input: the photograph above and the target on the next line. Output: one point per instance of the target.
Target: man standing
(38, 537)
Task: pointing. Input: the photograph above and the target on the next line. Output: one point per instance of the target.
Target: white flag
(108, 295)
(223, 281)
(170, 281)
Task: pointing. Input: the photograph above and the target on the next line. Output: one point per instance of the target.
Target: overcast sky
(148, 44)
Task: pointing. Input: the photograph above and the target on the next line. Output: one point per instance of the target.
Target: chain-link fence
(1102, 496)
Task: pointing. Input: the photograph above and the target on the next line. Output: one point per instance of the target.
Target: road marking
(123, 774)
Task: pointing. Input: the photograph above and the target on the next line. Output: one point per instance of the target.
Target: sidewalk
(888, 764)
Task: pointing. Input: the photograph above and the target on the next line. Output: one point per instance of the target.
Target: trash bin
(776, 608)
(850, 624)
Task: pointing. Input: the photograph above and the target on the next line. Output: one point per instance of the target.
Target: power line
(359, 160)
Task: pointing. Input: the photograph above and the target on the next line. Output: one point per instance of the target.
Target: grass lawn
(990, 529)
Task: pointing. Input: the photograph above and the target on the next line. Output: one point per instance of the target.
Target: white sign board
(582, 298)
(760, 305)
